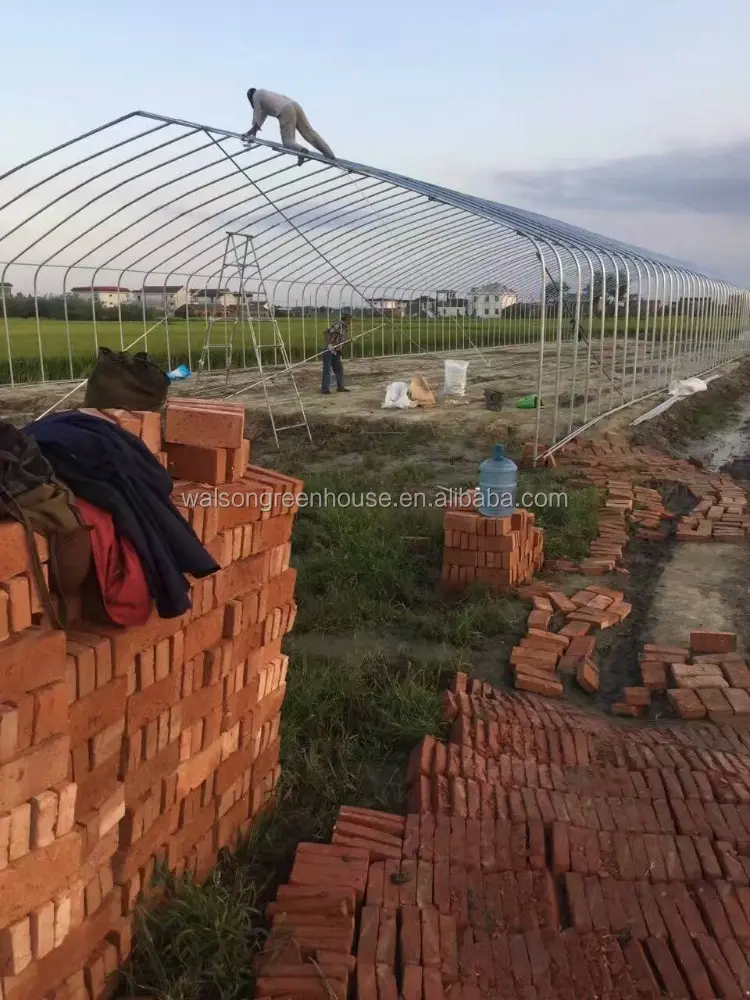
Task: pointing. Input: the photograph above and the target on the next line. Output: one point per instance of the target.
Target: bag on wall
(30, 494)
(121, 381)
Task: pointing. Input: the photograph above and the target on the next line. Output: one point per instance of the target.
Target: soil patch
(697, 417)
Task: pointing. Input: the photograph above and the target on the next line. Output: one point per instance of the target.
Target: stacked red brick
(719, 516)
(720, 512)
(501, 552)
(40, 848)
(170, 731)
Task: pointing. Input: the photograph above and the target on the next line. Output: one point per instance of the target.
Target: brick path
(546, 853)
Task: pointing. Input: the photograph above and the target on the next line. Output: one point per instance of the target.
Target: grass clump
(567, 513)
(201, 941)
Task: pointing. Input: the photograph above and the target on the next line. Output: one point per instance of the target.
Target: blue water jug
(497, 485)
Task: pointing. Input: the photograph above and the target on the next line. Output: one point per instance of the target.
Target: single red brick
(441, 889)
(431, 955)
(197, 464)
(410, 936)
(367, 984)
(448, 948)
(205, 426)
(703, 641)
(667, 968)
(369, 934)
(577, 902)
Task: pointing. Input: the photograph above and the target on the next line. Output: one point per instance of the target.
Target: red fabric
(122, 581)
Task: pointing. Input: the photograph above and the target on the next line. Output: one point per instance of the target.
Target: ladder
(240, 256)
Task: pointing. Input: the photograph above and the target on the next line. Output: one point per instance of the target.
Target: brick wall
(501, 552)
(121, 748)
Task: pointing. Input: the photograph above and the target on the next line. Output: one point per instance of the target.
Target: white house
(160, 297)
(489, 301)
(197, 299)
(396, 307)
(202, 297)
(109, 296)
(449, 305)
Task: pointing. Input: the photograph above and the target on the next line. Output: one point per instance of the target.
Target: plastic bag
(455, 378)
(397, 397)
(677, 390)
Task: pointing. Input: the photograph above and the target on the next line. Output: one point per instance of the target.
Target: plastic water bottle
(497, 485)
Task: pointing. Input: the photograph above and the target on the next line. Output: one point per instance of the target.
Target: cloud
(708, 181)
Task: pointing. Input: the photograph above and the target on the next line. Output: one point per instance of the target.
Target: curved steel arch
(147, 198)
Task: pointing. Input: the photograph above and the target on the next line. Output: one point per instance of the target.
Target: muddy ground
(677, 587)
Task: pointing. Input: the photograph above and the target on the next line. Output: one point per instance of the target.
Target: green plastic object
(527, 402)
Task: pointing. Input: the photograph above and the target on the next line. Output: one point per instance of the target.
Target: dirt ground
(512, 371)
(701, 590)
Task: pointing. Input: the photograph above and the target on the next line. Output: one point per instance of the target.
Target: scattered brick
(712, 642)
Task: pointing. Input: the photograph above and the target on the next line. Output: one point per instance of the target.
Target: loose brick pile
(501, 552)
(708, 679)
(124, 748)
(544, 652)
(613, 464)
(545, 854)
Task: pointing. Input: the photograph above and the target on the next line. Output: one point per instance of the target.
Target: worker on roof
(292, 119)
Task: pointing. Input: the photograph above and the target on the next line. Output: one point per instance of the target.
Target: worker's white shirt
(265, 103)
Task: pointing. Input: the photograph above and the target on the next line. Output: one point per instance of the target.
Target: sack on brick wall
(121, 381)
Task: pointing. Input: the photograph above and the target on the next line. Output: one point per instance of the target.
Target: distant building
(392, 307)
(6, 288)
(159, 297)
(109, 296)
(197, 300)
(490, 300)
(695, 305)
(202, 297)
(448, 304)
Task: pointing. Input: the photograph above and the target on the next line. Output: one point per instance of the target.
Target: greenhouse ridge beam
(524, 223)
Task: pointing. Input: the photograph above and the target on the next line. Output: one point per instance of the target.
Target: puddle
(728, 449)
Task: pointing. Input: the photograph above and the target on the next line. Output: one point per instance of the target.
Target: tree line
(78, 308)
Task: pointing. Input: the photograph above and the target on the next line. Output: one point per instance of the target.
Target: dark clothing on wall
(115, 471)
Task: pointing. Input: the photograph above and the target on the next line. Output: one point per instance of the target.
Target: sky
(628, 119)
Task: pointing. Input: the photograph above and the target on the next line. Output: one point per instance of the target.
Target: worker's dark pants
(332, 363)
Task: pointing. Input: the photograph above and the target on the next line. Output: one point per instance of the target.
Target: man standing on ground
(336, 336)
(292, 119)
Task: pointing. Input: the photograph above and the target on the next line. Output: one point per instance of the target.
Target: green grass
(358, 569)
(350, 718)
(347, 730)
(181, 340)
